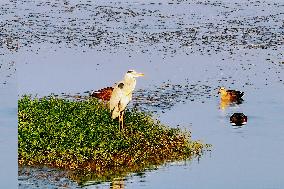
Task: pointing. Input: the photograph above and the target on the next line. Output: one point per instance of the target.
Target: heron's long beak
(139, 74)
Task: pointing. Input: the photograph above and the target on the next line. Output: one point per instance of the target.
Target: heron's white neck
(130, 81)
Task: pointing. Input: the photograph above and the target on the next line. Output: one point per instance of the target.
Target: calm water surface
(250, 156)
(186, 54)
(8, 126)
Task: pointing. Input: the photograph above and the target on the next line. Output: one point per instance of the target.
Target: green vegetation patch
(81, 135)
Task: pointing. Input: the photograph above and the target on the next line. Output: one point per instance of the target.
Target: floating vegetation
(164, 97)
(111, 25)
(81, 136)
(160, 97)
(7, 71)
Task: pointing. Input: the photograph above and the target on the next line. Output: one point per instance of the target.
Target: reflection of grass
(80, 135)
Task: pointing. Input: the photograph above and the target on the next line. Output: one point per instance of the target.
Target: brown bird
(230, 95)
(103, 94)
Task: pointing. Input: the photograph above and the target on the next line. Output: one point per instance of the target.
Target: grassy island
(81, 136)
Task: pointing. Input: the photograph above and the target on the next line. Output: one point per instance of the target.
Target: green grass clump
(80, 135)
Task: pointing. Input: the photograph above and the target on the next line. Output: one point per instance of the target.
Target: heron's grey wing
(115, 102)
(124, 101)
(116, 96)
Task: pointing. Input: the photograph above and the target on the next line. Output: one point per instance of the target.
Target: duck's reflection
(225, 103)
(118, 183)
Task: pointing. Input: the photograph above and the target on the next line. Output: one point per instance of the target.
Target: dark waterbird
(238, 119)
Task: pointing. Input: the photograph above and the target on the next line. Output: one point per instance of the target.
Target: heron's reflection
(117, 183)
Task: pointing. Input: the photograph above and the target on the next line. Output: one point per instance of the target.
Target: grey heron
(122, 95)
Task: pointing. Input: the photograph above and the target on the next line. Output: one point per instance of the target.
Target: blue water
(74, 47)
(8, 127)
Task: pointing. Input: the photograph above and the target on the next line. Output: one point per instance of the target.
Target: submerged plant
(82, 136)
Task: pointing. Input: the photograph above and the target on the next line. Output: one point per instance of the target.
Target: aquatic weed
(81, 136)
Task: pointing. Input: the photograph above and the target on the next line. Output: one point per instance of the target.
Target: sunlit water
(185, 52)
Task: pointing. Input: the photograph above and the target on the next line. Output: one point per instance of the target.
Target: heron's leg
(122, 122)
(119, 120)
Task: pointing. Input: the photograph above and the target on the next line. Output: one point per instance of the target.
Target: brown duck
(230, 95)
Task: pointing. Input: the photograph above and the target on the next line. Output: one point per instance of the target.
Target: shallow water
(8, 126)
(186, 55)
